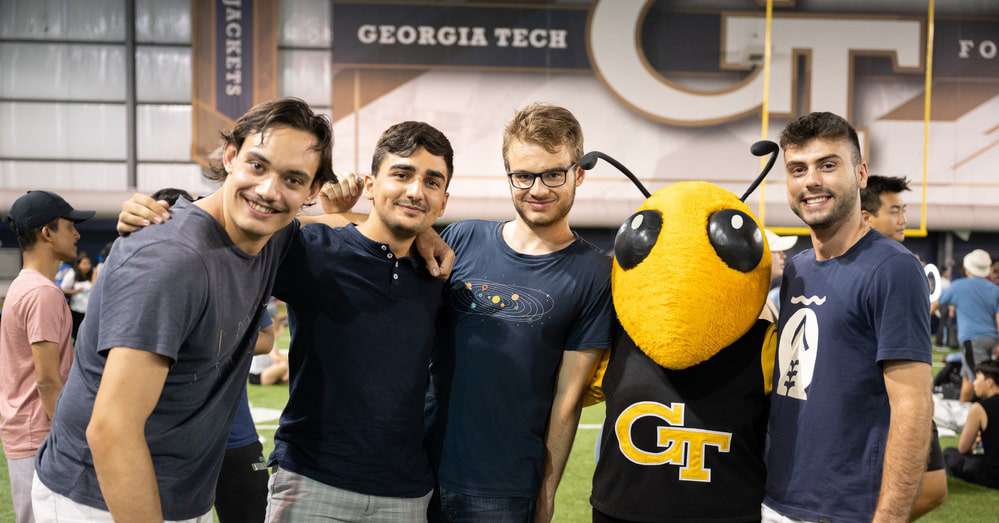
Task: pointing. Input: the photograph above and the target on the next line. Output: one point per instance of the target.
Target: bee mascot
(687, 382)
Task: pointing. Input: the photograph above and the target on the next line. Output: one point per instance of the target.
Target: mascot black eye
(736, 238)
(636, 237)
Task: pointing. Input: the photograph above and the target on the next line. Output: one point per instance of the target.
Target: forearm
(904, 461)
(48, 391)
(125, 472)
(48, 380)
(334, 220)
(562, 425)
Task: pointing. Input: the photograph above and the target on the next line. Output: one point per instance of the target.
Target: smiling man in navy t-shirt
(851, 407)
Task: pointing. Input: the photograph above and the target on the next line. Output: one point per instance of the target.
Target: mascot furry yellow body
(688, 380)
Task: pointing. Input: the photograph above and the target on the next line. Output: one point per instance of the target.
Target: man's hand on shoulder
(341, 196)
(437, 254)
(140, 211)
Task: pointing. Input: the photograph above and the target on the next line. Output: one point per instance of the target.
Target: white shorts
(50, 507)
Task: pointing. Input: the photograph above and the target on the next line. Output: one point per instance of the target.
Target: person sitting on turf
(961, 462)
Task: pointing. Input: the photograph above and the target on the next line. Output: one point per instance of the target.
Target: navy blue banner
(478, 37)
(234, 57)
(966, 49)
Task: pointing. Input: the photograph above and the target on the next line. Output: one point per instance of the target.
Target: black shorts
(241, 490)
(936, 461)
(254, 379)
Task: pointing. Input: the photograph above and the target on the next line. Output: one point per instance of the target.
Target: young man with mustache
(350, 441)
(163, 353)
(851, 406)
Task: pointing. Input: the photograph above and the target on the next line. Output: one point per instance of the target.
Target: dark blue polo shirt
(359, 357)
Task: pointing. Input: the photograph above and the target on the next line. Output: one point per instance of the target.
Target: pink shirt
(35, 310)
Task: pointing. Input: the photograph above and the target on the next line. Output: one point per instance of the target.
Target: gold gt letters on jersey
(683, 446)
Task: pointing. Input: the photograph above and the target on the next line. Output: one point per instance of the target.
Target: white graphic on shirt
(796, 353)
(795, 300)
(501, 300)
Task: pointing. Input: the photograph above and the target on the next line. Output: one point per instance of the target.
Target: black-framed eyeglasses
(551, 178)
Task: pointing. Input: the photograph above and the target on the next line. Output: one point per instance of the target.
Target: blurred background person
(982, 469)
(76, 285)
(778, 244)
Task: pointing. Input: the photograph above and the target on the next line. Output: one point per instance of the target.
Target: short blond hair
(549, 126)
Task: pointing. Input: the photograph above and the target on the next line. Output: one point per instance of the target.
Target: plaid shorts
(294, 498)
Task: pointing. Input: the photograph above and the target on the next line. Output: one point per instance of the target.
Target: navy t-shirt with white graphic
(841, 320)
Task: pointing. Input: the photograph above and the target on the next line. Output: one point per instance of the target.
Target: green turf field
(966, 503)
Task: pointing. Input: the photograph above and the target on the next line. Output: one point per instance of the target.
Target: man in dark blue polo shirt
(350, 441)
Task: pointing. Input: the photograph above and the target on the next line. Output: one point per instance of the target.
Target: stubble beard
(564, 206)
(844, 205)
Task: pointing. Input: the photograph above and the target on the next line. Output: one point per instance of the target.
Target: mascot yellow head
(691, 269)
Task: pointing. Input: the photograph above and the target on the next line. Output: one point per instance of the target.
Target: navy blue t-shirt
(359, 358)
(840, 320)
(507, 319)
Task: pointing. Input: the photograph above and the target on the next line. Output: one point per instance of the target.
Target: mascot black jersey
(695, 435)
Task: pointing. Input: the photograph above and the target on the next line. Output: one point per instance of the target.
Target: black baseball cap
(38, 208)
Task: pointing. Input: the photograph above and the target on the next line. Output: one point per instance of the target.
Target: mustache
(412, 203)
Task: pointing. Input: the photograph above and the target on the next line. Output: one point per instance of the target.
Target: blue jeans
(448, 506)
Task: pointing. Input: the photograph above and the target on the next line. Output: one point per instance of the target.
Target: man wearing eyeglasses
(527, 314)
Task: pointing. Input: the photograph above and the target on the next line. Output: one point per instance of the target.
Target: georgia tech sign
(628, 44)
(682, 446)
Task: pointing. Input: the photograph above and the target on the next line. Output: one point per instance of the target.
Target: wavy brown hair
(282, 112)
(549, 126)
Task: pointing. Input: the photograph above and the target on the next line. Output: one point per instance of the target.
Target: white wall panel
(54, 130)
(56, 176)
(63, 19)
(304, 23)
(163, 132)
(306, 75)
(163, 74)
(153, 177)
(163, 21)
(62, 71)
